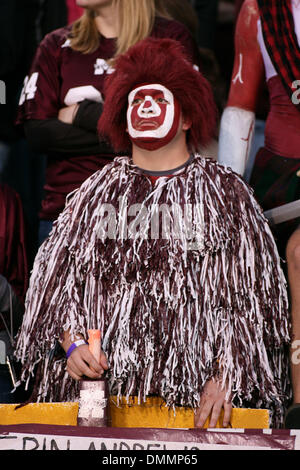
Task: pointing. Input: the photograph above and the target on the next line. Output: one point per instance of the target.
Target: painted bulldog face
(153, 116)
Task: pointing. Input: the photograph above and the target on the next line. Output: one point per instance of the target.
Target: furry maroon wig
(161, 61)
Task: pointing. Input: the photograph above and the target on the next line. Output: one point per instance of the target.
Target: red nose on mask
(147, 104)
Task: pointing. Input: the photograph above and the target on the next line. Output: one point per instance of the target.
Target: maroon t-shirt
(60, 77)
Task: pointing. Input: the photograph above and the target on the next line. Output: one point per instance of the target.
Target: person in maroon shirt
(62, 97)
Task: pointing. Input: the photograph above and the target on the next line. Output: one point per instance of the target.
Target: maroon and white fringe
(171, 317)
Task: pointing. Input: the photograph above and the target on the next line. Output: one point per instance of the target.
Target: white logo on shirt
(66, 43)
(29, 89)
(101, 67)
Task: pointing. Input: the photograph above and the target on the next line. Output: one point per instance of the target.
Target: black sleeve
(54, 136)
(88, 115)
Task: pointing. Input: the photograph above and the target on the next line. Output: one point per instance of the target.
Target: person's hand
(82, 362)
(212, 402)
(68, 113)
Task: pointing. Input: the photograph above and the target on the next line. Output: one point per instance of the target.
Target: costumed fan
(168, 254)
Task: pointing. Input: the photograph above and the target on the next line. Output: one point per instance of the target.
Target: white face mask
(153, 116)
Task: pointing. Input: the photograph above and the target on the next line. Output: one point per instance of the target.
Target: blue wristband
(74, 345)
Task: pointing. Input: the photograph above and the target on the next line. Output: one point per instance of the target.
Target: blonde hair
(135, 22)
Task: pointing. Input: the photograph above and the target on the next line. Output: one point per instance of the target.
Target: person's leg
(293, 264)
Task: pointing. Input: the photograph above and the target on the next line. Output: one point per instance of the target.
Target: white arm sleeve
(235, 138)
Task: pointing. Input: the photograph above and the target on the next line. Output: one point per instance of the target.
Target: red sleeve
(248, 70)
(40, 94)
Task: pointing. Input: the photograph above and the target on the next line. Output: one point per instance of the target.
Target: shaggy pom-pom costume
(173, 312)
